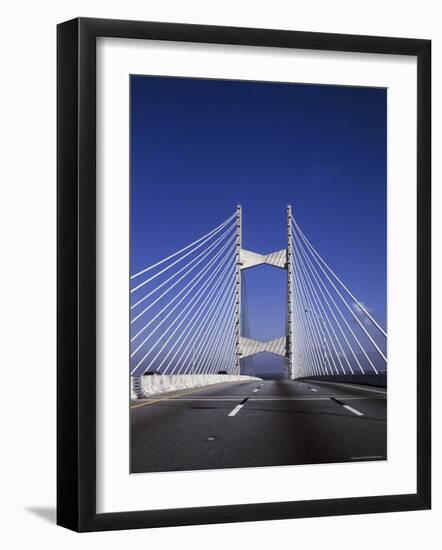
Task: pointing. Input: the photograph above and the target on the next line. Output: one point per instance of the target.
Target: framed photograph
(243, 274)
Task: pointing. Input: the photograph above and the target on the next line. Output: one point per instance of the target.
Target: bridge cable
(214, 315)
(187, 330)
(306, 276)
(197, 295)
(356, 301)
(201, 256)
(351, 311)
(322, 285)
(310, 306)
(204, 238)
(205, 325)
(189, 287)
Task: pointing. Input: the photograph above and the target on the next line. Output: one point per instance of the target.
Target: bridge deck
(251, 424)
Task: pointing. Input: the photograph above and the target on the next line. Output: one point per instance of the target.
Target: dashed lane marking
(182, 397)
(306, 398)
(150, 401)
(354, 411)
(351, 409)
(236, 410)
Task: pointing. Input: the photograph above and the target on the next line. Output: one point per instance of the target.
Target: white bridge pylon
(248, 259)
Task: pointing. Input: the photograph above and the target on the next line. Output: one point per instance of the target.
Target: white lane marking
(235, 410)
(355, 387)
(209, 399)
(306, 398)
(313, 389)
(354, 411)
(255, 390)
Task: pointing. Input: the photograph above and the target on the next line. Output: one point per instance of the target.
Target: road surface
(258, 423)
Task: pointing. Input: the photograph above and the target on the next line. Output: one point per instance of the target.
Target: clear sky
(199, 147)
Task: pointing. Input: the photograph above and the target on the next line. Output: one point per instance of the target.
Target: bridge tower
(326, 329)
(246, 259)
(289, 351)
(238, 288)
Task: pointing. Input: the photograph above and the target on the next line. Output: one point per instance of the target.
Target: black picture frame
(76, 272)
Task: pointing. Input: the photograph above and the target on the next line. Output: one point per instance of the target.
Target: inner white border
(116, 489)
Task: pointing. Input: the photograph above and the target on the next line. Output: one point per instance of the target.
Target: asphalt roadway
(258, 423)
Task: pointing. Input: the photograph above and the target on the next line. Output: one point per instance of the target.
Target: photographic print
(258, 285)
(222, 256)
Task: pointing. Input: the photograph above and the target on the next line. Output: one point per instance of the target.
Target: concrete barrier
(145, 386)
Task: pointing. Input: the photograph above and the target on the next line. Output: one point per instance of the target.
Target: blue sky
(199, 147)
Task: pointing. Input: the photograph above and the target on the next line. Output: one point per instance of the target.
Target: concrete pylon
(290, 281)
(246, 259)
(238, 288)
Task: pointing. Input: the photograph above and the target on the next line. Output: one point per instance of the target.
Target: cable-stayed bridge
(190, 322)
(189, 313)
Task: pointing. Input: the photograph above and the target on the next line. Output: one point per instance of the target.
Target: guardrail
(147, 385)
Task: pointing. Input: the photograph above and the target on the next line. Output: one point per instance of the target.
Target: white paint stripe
(306, 398)
(235, 410)
(354, 411)
(226, 397)
(353, 387)
(208, 399)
